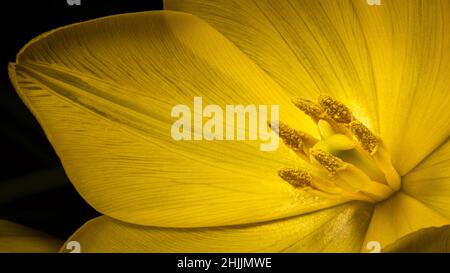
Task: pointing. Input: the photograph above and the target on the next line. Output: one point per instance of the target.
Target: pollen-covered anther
(366, 138)
(309, 107)
(296, 140)
(335, 109)
(331, 163)
(295, 177)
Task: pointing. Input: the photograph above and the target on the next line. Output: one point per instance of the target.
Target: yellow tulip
(372, 83)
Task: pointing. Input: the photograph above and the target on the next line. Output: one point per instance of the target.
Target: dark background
(34, 190)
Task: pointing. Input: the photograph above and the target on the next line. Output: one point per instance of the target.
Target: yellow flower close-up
(363, 94)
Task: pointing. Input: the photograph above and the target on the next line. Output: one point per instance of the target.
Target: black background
(24, 149)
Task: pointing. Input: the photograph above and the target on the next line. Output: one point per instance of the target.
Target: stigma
(348, 161)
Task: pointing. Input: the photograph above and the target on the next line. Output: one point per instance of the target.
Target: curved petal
(399, 216)
(427, 240)
(391, 60)
(338, 229)
(409, 43)
(306, 46)
(103, 91)
(15, 238)
(429, 182)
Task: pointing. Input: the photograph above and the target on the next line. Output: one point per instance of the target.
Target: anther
(290, 137)
(328, 161)
(295, 177)
(310, 108)
(366, 138)
(299, 142)
(295, 139)
(335, 109)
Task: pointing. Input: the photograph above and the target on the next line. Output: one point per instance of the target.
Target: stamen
(349, 161)
(290, 137)
(328, 161)
(366, 138)
(335, 109)
(310, 108)
(300, 142)
(295, 177)
(383, 160)
(295, 139)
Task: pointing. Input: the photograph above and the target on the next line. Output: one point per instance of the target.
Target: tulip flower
(363, 96)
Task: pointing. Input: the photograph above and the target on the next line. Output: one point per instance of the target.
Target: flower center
(348, 161)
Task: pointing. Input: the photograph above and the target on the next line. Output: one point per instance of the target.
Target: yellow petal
(103, 92)
(399, 216)
(391, 62)
(428, 240)
(408, 41)
(338, 229)
(308, 47)
(15, 238)
(429, 182)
